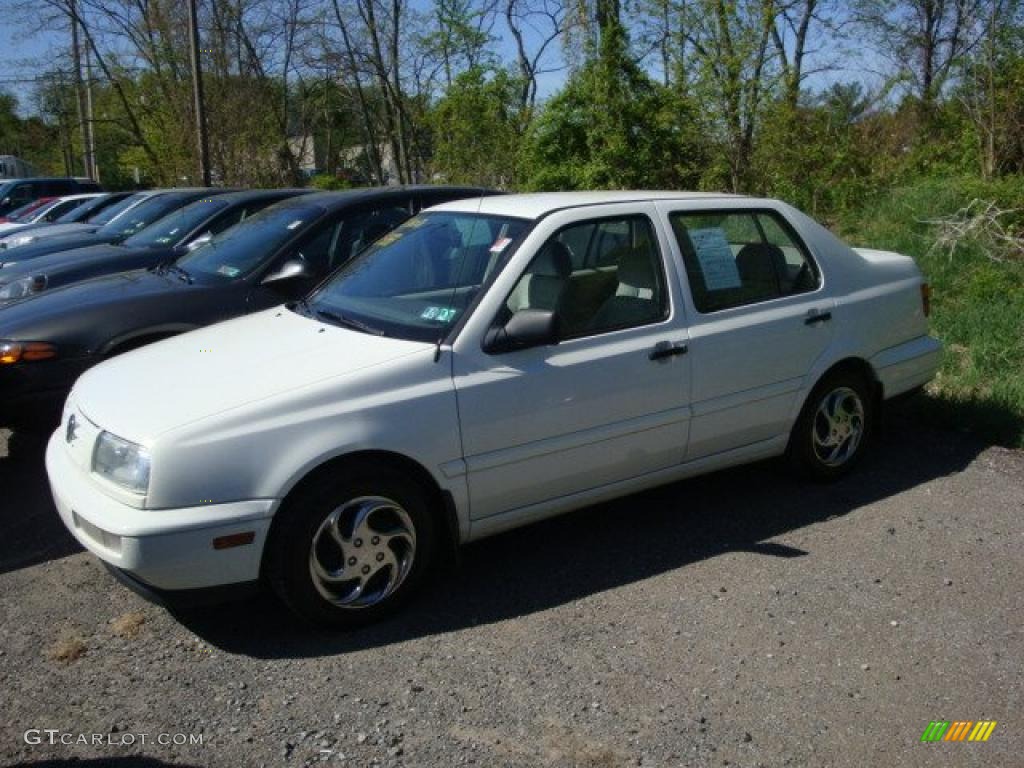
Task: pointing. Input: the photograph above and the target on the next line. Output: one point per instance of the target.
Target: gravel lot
(740, 619)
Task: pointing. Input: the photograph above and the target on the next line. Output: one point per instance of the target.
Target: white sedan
(489, 363)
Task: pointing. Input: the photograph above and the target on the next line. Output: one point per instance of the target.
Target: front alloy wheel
(350, 546)
(363, 552)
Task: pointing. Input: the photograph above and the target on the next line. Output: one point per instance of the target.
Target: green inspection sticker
(440, 314)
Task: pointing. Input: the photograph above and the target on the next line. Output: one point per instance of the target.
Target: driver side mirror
(293, 269)
(526, 328)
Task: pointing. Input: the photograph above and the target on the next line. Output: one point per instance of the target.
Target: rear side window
(741, 257)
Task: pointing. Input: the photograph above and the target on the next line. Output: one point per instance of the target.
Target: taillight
(926, 298)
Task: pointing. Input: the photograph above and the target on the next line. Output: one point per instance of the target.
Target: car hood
(43, 231)
(44, 265)
(144, 393)
(43, 247)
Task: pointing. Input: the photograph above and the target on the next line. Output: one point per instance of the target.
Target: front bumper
(907, 366)
(165, 549)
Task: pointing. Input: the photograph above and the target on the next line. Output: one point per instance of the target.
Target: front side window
(741, 257)
(416, 281)
(596, 276)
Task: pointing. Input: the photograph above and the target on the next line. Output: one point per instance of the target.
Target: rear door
(760, 315)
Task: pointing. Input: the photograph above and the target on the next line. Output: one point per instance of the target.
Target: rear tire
(835, 427)
(351, 548)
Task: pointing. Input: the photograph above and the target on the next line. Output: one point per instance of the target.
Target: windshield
(239, 251)
(80, 212)
(141, 216)
(415, 282)
(104, 216)
(174, 226)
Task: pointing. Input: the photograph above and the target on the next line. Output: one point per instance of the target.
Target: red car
(24, 213)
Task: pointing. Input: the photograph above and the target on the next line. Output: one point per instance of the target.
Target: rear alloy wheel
(346, 551)
(834, 427)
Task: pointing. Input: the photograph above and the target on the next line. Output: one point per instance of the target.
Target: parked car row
(388, 374)
(18, 192)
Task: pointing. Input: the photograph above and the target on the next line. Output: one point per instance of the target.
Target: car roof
(335, 200)
(82, 196)
(537, 204)
(247, 195)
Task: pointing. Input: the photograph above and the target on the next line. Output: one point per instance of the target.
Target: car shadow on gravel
(605, 546)
(32, 530)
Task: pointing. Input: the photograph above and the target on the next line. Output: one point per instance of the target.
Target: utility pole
(76, 55)
(197, 90)
(90, 136)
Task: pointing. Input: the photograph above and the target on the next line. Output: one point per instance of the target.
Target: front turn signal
(29, 351)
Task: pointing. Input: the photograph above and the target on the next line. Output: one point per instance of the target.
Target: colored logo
(958, 730)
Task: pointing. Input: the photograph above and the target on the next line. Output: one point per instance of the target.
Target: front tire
(834, 429)
(349, 549)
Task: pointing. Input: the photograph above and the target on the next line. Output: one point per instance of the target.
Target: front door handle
(817, 317)
(666, 349)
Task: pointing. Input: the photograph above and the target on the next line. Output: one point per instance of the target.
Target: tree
(731, 39)
(925, 39)
(476, 129)
(612, 126)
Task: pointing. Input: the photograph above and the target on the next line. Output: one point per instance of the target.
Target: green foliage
(476, 129)
(977, 302)
(613, 127)
(329, 183)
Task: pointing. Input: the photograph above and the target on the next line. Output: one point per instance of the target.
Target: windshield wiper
(348, 322)
(183, 274)
(300, 307)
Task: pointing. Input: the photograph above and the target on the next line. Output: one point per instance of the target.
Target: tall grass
(977, 302)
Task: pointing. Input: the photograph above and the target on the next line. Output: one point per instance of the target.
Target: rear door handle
(817, 317)
(666, 349)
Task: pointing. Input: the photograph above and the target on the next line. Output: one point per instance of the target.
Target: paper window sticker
(500, 244)
(715, 257)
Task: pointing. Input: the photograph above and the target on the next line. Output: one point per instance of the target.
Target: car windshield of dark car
(140, 217)
(415, 282)
(238, 251)
(83, 211)
(107, 214)
(174, 226)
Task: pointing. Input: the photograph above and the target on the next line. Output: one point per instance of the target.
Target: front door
(606, 403)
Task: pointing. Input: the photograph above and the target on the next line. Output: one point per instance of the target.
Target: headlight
(121, 462)
(20, 240)
(22, 287)
(29, 351)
